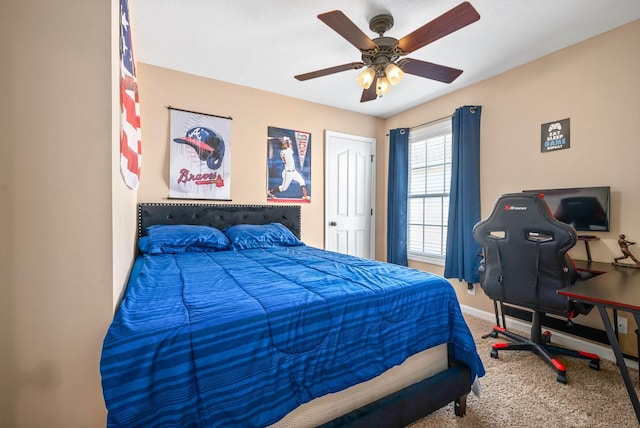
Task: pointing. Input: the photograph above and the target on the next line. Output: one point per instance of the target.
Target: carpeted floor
(520, 390)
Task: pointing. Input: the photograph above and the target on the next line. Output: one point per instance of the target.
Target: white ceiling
(263, 44)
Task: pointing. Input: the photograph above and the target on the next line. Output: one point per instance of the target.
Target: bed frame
(396, 410)
(220, 216)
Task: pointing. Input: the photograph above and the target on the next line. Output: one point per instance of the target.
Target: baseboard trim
(559, 337)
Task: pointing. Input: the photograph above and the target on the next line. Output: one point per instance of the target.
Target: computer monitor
(584, 208)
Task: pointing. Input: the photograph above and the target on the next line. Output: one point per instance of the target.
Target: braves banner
(130, 141)
(200, 158)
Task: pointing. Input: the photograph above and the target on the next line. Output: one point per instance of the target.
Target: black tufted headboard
(217, 215)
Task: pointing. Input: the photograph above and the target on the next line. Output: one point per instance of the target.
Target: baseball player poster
(288, 165)
(200, 156)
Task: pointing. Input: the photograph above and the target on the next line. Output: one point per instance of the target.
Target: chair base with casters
(540, 343)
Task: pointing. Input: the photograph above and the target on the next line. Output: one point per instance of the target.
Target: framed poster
(288, 165)
(200, 156)
(555, 136)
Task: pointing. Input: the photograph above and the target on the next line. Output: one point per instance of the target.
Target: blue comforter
(240, 338)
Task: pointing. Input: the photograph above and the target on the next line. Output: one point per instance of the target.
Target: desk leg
(636, 317)
(622, 365)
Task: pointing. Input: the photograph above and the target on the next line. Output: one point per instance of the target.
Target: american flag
(130, 142)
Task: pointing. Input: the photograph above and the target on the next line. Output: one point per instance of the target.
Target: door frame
(328, 135)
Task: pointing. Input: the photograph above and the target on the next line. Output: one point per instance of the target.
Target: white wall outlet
(471, 289)
(622, 325)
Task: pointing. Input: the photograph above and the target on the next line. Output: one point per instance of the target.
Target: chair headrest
(528, 214)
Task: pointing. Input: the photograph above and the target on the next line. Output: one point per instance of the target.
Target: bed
(229, 319)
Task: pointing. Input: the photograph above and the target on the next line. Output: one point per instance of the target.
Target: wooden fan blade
(347, 29)
(453, 20)
(370, 94)
(330, 70)
(429, 70)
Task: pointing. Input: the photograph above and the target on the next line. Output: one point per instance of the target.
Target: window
(429, 186)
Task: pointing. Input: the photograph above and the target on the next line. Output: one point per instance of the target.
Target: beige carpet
(520, 390)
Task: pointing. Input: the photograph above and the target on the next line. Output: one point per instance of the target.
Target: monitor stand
(586, 239)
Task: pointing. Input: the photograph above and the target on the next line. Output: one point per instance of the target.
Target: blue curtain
(397, 196)
(462, 257)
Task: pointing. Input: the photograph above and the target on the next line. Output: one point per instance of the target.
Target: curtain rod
(205, 114)
(431, 121)
(472, 108)
(428, 123)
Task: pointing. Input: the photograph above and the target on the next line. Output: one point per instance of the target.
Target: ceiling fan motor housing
(387, 46)
(387, 52)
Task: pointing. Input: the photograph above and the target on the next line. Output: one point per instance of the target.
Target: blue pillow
(182, 238)
(246, 236)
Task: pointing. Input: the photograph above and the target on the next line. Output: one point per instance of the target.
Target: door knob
(333, 223)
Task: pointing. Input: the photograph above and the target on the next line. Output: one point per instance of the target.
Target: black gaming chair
(524, 263)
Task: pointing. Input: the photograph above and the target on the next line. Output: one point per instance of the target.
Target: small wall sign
(555, 136)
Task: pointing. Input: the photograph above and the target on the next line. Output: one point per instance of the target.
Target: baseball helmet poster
(288, 165)
(200, 162)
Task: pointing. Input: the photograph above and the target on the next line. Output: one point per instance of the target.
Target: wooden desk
(618, 289)
(595, 267)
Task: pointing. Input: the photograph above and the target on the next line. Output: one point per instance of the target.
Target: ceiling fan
(381, 56)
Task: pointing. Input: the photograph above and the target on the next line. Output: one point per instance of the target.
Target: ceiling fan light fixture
(365, 79)
(382, 85)
(394, 73)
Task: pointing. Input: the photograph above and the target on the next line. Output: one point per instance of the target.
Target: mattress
(241, 338)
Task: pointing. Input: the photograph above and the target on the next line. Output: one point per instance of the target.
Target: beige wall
(69, 221)
(252, 112)
(7, 196)
(595, 84)
(603, 150)
(56, 284)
